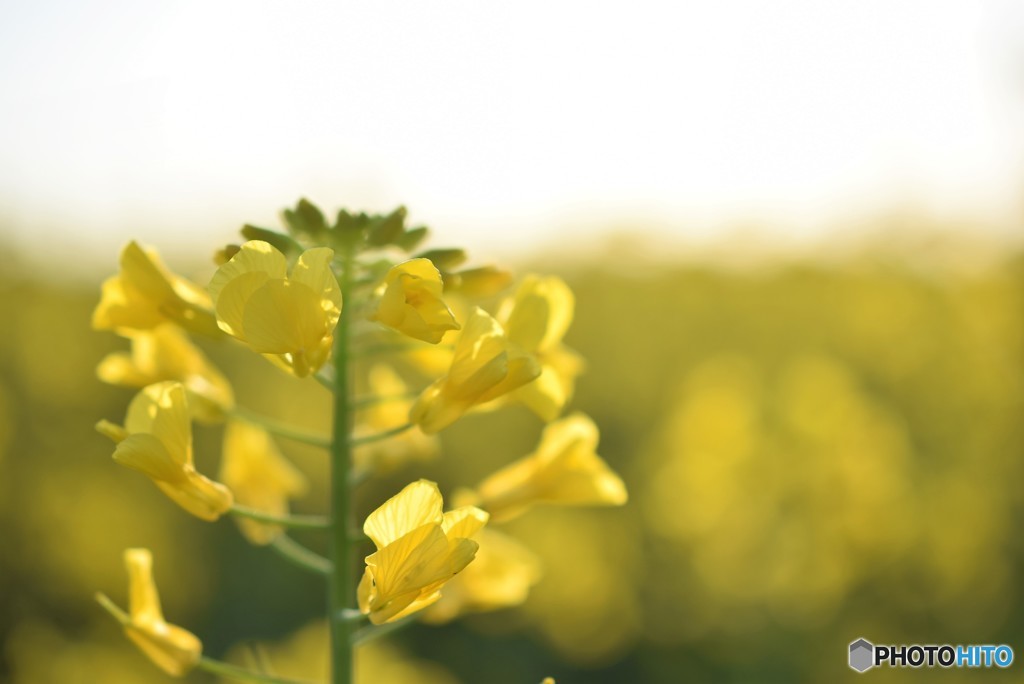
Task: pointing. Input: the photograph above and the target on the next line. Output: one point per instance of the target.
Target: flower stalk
(341, 585)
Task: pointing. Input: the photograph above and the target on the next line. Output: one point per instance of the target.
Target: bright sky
(502, 124)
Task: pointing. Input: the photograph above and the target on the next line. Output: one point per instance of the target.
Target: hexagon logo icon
(862, 655)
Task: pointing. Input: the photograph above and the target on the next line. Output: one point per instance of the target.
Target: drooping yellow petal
(464, 521)
(484, 366)
(175, 650)
(166, 353)
(480, 359)
(259, 476)
(161, 410)
(145, 294)
(565, 469)
(499, 577)
(391, 408)
(412, 303)
(537, 318)
(143, 601)
(548, 394)
(199, 495)
(541, 314)
(418, 504)
(157, 441)
(148, 455)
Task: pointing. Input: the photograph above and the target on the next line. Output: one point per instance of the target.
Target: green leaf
(410, 239)
(306, 220)
(386, 229)
(444, 259)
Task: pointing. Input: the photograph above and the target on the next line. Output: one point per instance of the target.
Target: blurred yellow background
(816, 449)
(793, 231)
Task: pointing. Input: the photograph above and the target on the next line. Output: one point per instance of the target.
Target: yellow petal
(418, 504)
(119, 369)
(167, 353)
(522, 369)
(233, 298)
(413, 568)
(116, 310)
(162, 411)
(284, 317)
(435, 409)
(313, 269)
(565, 469)
(463, 522)
(255, 256)
(481, 343)
(412, 302)
(259, 477)
(200, 496)
(143, 601)
(500, 576)
(546, 396)
(173, 649)
(143, 273)
(148, 455)
(541, 314)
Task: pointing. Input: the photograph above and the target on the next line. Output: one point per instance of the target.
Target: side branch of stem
(299, 555)
(281, 429)
(240, 673)
(369, 439)
(307, 522)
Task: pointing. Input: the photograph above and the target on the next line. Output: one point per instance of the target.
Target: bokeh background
(793, 230)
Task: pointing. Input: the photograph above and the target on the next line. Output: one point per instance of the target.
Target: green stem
(298, 554)
(302, 522)
(281, 429)
(112, 608)
(341, 586)
(240, 673)
(324, 378)
(367, 439)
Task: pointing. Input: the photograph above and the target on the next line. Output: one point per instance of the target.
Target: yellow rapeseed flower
(259, 476)
(499, 577)
(419, 548)
(156, 440)
(485, 366)
(166, 353)
(565, 469)
(411, 302)
(411, 445)
(288, 318)
(537, 319)
(173, 649)
(145, 294)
